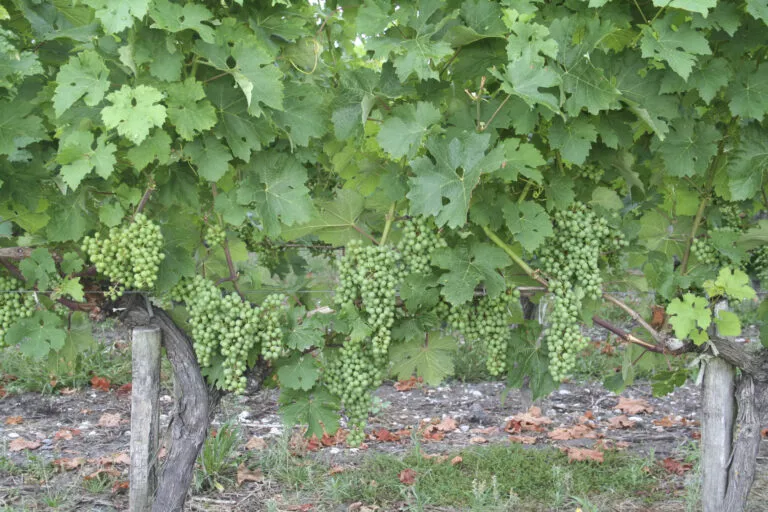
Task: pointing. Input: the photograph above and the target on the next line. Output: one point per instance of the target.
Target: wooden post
(718, 409)
(145, 417)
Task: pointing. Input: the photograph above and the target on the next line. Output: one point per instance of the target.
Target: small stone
(166, 398)
(564, 392)
(47, 441)
(475, 392)
(334, 451)
(464, 428)
(636, 419)
(13, 435)
(127, 433)
(243, 416)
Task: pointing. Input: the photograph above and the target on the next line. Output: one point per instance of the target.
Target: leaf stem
(636, 317)
(388, 224)
(524, 193)
(692, 236)
(233, 275)
(514, 256)
(145, 197)
(625, 336)
(495, 113)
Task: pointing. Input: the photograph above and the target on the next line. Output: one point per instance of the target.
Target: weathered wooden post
(145, 417)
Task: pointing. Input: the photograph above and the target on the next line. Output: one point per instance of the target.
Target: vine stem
(694, 229)
(145, 197)
(495, 113)
(233, 275)
(524, 193)
(514, 256)
(636, 317)
(388, 224)
(624, 335)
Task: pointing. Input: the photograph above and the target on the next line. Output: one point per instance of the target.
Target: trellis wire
(619, 293)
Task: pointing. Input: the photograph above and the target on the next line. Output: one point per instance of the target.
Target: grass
(217, 463)
(504, 477)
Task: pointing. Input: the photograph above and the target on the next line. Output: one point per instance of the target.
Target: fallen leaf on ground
(20, 443)
(620, 422)
(120, 486)
(676, 466)
(447, 425)
(358, 506)
(256, 443)
(478, 440)
(522, 439)
(3, 392)
(582, 454)
(408, 384)
(109, 460)
(407, 476)
(67, 391)
(385, 436)
(574, 432)
(484, 431)
(587, 417)
(610, 444)
(66, 434)
(335, 470)
(434, 457)
(103, 471)
(299, 508)
(110, 420)
(246, 475)
(338, 438)
(125, 390)
(432, 434)
(100, 383)
(634, 405)
(531, 420)
(69, 464)
(764, 432)
(313, 443)
(14, 420)
(665, 422)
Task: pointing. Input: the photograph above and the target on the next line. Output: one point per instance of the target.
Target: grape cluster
(590, 172)
(732, 215)
(759, 264)
(267, 252)
(214, 235)
(369, 276)
(13, 306)
(420, 239)
(571, 259)
(706, 252)
(486, 320)
(224, 325)
(129, 256)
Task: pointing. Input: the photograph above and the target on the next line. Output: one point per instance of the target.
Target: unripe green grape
(215, 235)
(14, 305)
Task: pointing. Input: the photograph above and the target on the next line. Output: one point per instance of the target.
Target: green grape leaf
(357, 328)
(733, 283)
(725, 243)
(606, 198)
(527, 358)
(728, 323)
(525, 77)
(373, 16)
(38, 268)
(37, 335)
(665, 382)
(317, 409)
(574, 139)
(71, 262)
(300, 371)
(748, 92)
(401, 134)
(188, 110)
(134, 111)
(560, 193)
(305, 114)
(700, 6)
(334, 221)
(118, 15)
(209, 156)
(175, 18)
(155, 147)
(452, 176)
(529, 223)
(18, 129)
(275, 186)
(690, 317)
(432, 360)
(528, 37)
(689, 148)
(69, 286)
(748, 165)
(79, 338)
(467, 267)
(84, 76)
(419, 291)
(676, 45)
(150, 48)
(758, 9)
(520, 158)
(305, 335)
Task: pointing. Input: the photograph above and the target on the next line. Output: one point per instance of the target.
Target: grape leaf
(677, 45)
(118, 15)
(748, 166)
(529, 223)
(78, 158)
(467, 267)
(70, 286)
(574, 139)
(373, 16)
(175, 18)
(606, 198)
(527, 358)
(401, 134)
(525, 77)
(688, 149)
(79, 338)
(431, 360)
(520, 158)
(150, 48)
(38, 268)
(758, 9)
(530, 37)
(155, 147)
(275, 186)
(728, 323)
(305, 335)
(690, 317)
(733, 283)
(317, 409)
(71, 262)
(304, 115)
(700, 6)
(18, 129)
(84, 76)
(300, 371)
(189, 112)
(748, 92)
(38, 334)
(334, 221)
(134, 111)
(419, 291)
(209, 156)
(452, 177)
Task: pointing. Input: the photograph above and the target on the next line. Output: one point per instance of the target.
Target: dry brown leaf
(125, 390)
(358, 506)
(620, 422)
(478, 440)
(456, 460)
(385, 436)
(665, 422)
(306, 507)
(336, 469)
(256, 443)
(338, 438)
(67, 391)
(110, 420)
(574, 432)
(3, 392)
(14, 420)
(531, 420)
(246, 475)
(103, 471)
(634, 405)
(408, 384)
(100, 383)
(407, 476)
(120, 487)
(764, 432)
(20, 443)
(609, 444)
(69, 464)
(109, 460)
(484, 431)
(676, 466)
(66, 434)
(522, 439)
(587, 417)
(447, 425)
(582, 454)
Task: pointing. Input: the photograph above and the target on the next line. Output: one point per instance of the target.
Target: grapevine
(419, 241)
(129, 256)
(13, 306)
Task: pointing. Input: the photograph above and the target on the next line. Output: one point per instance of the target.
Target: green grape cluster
(731, 215)
(267, 252)
(129, 256)
(590, 172)
(369, 277)
(225, 326)
(215, 235)
(706, 252)
(571, 259)
(13, 305)
(420, 239)
(760, 264)
(486, 320)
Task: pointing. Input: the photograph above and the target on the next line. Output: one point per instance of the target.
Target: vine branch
(145, 197)
(388, 224)
(233, 275)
